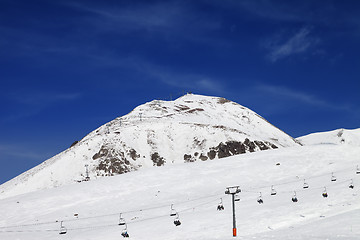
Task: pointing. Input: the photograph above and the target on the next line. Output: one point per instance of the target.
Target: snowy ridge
(191, 128)
(339, 136)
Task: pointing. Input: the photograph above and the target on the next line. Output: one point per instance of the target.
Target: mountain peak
(188, 129)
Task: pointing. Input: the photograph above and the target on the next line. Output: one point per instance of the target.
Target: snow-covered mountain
(188, 130)
(191, 128)
(339, 136)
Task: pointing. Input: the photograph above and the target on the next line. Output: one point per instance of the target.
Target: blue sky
(69, 66)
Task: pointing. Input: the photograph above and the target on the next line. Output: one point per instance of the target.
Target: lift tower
(233, 191)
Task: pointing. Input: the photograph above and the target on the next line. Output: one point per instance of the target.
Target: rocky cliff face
(191, 128)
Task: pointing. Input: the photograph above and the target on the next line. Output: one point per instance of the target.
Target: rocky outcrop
(113, 162)
(157, 160)
(230, 148)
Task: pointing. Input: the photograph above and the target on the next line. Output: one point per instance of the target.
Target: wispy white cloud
(32, 103)
(184, 81)
(311, 12)
(272, 9)
(43, 98)
(7, 150)
(148, 16)
(165, 16)
(298, 43)
(288, 94)
(180, 79)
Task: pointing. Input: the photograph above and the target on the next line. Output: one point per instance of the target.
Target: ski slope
(144, 198)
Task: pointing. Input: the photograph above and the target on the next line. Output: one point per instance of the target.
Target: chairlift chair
(324, 194)
(236, 198)
(63, 229)
(333, 178)
(294, 198)
(351, 184)
(305, 185)
(260, 200)
(273, 191)
(357, 169)
(124, 232)
(121, 220)
(177, 220)
(220, 206)
(172, 211)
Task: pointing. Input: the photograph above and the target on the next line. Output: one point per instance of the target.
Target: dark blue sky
(69, 66)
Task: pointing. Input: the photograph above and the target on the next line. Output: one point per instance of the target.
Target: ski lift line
(150, 208)
(30, 224)
(304, 190)
(178, 203)
(140, 220)
(29, 231)
(110, 225)
(296, 190)
(144, 209)
(199, 205)
(111, 214)
(297, 180)
(115, 225)
(84, 228)
(102, 226)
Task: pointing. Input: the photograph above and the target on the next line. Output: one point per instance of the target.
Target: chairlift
(357, 169)
(236, 198)
(273, 191)
(324, 194)
(124, 232)
(172, 211)
(351, 184)
(305, 185)
(232, 190)
(177, 220)
(260, 200)
(333, 178)
(121, 220)
(220, 206)
(63, 229)
(294, 198)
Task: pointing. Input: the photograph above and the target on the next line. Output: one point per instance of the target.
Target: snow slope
(144, 198)
(339, 136)
(191, 128)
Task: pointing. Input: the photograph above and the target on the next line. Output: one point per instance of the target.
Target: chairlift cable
(155, 207)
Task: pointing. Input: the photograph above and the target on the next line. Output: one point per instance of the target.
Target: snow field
(144, 198)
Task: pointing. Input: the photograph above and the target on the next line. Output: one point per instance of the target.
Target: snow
(339, 136)
(144, 198)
